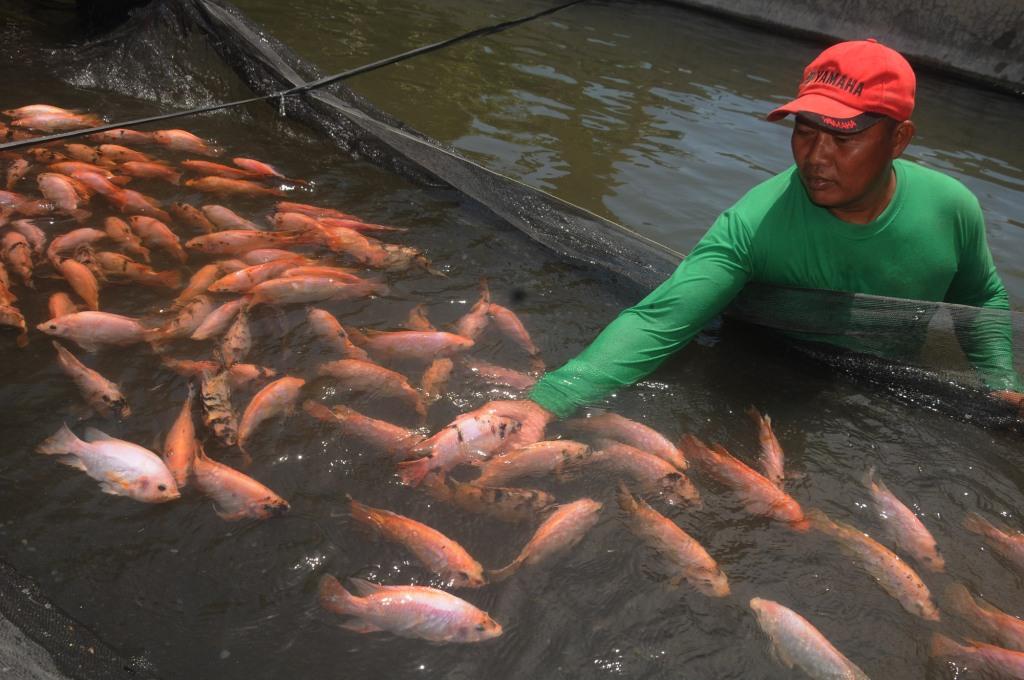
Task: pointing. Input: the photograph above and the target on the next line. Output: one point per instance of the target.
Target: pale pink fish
(493, 374)
(95, 182)
(182, 140)
(772, 458)
(435, 378)
(104, 396)
(59, 190)
(123, 136)
(377, 433)
(38, 109)
(86, 154)
(240, 241)
(989, 660)
(470, 436)
(135, 203)
(35, 236)
(473, 324)
(156, 234)
(638, 435)
(509, 325)
(797, 643)
(327, 328)
(559, 533)
(297, 221)
(180, 445)
(311, 210)
(261, 255)
(337, 273)
(71, 241)
(70, 167)
(235, 495)
(303, 289)
(82, 281)
(218, 321)
(437, 552)
(905, 528)
(422, 346)
(257, 168)
(1008, 544)
(894, 575)
(237, 342)
(52, 122)
(243, 280)
(994, 623)
(17, 254)
(654, 475)
(686, 555)
(225, 186)
(192, 217)
(357, 225)
(537, 459)
(224, 218)
(93, 330)
(118, 231)
(243, 375)
(276, 398)
(121, 468)
(60, 304)
(407, 611)
(366, 376)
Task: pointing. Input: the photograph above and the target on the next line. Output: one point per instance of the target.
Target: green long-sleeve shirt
(928, 244)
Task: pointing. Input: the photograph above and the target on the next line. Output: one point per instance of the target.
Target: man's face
(847, 172)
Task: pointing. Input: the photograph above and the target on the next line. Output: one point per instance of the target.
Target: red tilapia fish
(366, 376)
(689, 557)
(121, 468)
(759, 496)
(498, 375)
(182, 140)
(772, 458)
(893, 574)
(437, 552)
(991, 661)
(798, 643)
(407, 611)
(276, 398)
(330, 331)
(559, 533)
(540, 458)
(93, 330)
(1009, 545)
(101, 394)
(654, 475)
(180, 445)
(379, 434)
(469, 436)
(235, 495)
(995, 624)
(502, 503)
(638, 435)
(903, 526)
(411, 345)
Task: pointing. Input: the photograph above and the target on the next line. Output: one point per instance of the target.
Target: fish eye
(53, 326)
(481, 627)
(161, 487)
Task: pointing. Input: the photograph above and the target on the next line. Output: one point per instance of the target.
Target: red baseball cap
(850, 86)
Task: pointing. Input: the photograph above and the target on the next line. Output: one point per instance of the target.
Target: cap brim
(816, 103)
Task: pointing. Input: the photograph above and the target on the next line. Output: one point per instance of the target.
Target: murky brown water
(611, 127)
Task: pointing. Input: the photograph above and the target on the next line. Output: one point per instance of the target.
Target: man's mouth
(817, 183)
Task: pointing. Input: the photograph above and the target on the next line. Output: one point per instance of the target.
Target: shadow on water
(204, 598)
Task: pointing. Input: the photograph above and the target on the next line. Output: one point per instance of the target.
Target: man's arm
(987, 336)
(646, 334)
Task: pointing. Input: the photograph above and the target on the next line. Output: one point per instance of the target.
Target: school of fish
(67, 215)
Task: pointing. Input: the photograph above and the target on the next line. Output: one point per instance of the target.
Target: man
(847, 216)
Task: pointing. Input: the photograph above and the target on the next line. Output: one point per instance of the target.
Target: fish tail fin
(318, 411)
(977, 524)
(355, 335)
(412, 472)
(121, 180)
(63, 442)
(959, 598)
(170, 278)
(801, 525)
(174, 178)
(694, 449)
(754, 414)
(437, 485)
(334, 597)
(820, 521)
(626, 499)
(499, 575)
(943, 646)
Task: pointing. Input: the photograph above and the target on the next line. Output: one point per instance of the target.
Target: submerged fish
(276, 398)
(619, 428)
(330, 331)
(995, 624)
(92, 330)
(180, 444)
(121, 468)
(371, 431)
(235, 495)
(414, 345)
(500, 502)
(654, 475)
(218, 413)
(903, 526)
(183, 140)
(687, 555)
(437, 552)
(102, 395)
(366, 376)
(540, 458)
(990, 660)
(798, 643)
(893, 574)
(772, 458)
(408, 611)
(559, 533)
(1009, 545)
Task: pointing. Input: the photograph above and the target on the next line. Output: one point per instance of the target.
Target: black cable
(298, 89)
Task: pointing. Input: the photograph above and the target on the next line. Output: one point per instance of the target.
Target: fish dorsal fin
(363, 587)
(94, 435)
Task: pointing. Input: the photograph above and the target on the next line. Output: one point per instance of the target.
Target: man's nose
(821, 149)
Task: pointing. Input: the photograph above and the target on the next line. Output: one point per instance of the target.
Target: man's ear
(901, 137)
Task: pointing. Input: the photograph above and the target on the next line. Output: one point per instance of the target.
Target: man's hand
(532, 416)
